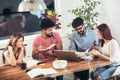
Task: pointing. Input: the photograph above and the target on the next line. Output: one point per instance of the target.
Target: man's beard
(49, 35)
(81, 32)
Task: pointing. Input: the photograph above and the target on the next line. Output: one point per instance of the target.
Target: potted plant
(87, 12)
(55, 17)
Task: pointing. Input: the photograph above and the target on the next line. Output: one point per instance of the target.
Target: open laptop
(66, 55)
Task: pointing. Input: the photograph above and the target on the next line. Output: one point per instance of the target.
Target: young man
(82, 40)
(46, 42)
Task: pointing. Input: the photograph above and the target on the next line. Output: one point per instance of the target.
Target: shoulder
(5, 53)
(38, 37)
(91, 32)
(113, 41)
(55, 34)
(74, 34)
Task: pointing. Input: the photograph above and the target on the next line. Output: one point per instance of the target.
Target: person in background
(82, 40)
(31, 22)
(46, 42)
(109, 51)
(10, 25)
(14, 52)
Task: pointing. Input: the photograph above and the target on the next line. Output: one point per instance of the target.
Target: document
(41, 72)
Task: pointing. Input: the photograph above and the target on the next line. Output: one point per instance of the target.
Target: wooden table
(15, 73)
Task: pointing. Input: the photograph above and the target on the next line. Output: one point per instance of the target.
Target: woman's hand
(94, 52)
(94, 47)
(10, 48)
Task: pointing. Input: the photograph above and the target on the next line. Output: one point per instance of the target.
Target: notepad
(41, 72)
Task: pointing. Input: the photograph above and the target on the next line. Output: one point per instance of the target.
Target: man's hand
(51, 46)
(41, 48)
(49, 52)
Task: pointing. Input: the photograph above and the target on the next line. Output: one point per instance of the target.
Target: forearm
(12, 59)
(103, 57)
(21, 55)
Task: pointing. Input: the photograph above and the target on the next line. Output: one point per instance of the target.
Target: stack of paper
(39, 71)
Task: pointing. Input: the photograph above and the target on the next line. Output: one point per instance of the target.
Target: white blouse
(112, 50)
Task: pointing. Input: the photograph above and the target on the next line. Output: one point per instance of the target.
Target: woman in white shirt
(15, 51)
(109, 51)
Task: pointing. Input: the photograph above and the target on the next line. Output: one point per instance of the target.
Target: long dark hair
(105, 32)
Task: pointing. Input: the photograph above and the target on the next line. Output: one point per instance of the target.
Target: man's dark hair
(77, 22)
(6, 12)
(47, 23)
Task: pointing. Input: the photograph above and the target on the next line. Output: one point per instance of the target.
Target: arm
(72, 44)
(58, 43)
(10, 58)
(102, 56)
(21, 55)
(59, 46)
(114, 52)
(38, 49)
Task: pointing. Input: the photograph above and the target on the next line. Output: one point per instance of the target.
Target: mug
(23, 66)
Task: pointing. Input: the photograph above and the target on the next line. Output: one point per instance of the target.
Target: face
(99, 34)
(49, 32)
(19, 43)
(80, 29)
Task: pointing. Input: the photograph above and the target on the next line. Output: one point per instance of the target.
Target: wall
(108, 9)
(112, 16)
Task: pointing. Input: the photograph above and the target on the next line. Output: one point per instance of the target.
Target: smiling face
(49, 32)
(80, 29)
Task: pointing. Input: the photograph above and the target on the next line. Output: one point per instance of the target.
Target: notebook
(37, 72)
(67, 55)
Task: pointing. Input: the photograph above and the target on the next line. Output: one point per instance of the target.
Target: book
(40, 72)
(33, 62)
(48, 48)
(51, 46)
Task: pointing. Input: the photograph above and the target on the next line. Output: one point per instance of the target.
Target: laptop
(66, 55)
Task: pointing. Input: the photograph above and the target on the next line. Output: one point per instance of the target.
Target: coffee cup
(23, 66)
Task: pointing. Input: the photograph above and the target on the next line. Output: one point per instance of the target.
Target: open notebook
(40, 72)
(33, 62)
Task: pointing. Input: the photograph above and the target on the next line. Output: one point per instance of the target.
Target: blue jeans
(105, 72)
(57, 78)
